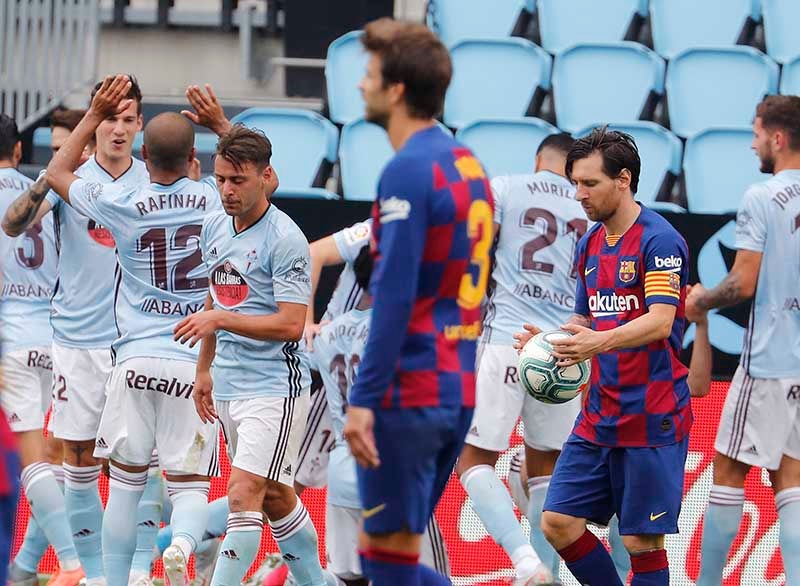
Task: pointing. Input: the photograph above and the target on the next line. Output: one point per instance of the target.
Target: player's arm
(738, 285)
(29, 208)
(203, 383)
(324, 253)
(699, 378)
(208, 111)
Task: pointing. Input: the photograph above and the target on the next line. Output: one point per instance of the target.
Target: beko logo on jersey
(393, 209)
(670, 262)
(603, 305)
(171, 387)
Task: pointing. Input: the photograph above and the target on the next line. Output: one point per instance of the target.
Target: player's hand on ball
(358, 432)
(207, 110)
(582, 344)
(196, 327)
(203, 400)
(110, 98)
(523, 337)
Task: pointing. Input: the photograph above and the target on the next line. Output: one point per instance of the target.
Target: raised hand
(207, 110)
(110, 98)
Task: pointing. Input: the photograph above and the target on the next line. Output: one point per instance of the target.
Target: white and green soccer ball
(543, 379)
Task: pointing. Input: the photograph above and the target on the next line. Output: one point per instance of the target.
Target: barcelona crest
(627, 270)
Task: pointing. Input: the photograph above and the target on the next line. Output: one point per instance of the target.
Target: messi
(600, 304)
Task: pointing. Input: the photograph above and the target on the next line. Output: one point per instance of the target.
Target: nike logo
(367, 513)
(586, 272)
(654, 517)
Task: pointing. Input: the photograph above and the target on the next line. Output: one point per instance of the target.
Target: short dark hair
(169, 139)
(135, 93)
(618, 150)
(560, 142)
(66, 118)
(413, 55)
(9, 136)
(242, 145)
(782, 113)
(362, 267)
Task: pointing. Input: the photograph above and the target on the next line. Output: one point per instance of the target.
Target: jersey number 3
(480, 223)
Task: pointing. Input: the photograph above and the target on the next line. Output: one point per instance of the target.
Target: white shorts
(317, 443)
(760, 421)
(27, 383)
(263, 434)
(150, 406)
(500, 400)
(80, 378)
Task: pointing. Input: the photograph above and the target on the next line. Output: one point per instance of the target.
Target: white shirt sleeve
(351, 240)
(499, 189)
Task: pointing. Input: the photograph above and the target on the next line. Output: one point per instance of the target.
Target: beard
(767, 164)
(377, 117)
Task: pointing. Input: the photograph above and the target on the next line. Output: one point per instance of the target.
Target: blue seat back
(456, 20)
(564, 23)
(780, 29)
(790, 78)
(41, 145)
(345, 66)
(363, 153)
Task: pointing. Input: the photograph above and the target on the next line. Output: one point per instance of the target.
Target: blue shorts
(642, 486)
(418, 448)
(8, 512)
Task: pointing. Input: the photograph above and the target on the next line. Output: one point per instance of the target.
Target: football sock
(389, 568)
(589, 561)
(619, 555)
(189, 514)
(34, 544)
(787, 502)
(217, 522)
(85, 514)
(650, 569)
(492, 503)
(720, 526)
(297, 540)
(537, 491)
(239, 548)
(119, 525)
(47, 505)
(148, 521)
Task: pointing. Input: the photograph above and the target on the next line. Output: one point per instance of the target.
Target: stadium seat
(309, 193)
(506, 146)
(717, 87)
(363, 153)
(456, 20)
(718, 167)
(303, 143)
(494, 78)
(661, 153)
(41, 145)
(584, 91)
(564, 23)
(344, 68)
(780, 19)
(790, 78)
(680, 24)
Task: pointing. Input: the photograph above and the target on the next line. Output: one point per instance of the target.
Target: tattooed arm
(28, 208)
(737, 286)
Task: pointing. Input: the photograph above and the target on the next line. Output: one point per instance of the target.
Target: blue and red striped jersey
(638, 397)
(432, 235)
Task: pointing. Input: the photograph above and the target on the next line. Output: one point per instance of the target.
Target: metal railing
(48, 48)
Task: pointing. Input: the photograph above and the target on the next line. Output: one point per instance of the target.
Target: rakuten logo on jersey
(604, 305)
(670, 262)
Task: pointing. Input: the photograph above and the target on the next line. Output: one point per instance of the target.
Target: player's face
(375, 95)
(116, 133)
(242, 188)
(58, 137)
(762, 145)
(597, 192)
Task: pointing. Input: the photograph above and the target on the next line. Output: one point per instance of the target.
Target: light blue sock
(119, 523)
(47, 505)
(720, 526)
(787, 502)
(217, 518)
(493, 504)
(297, 540)
(619, 555)
(239, 548)
(537, 491)
(189, 514)
(148, 522)
(34, 544)
(85, 514)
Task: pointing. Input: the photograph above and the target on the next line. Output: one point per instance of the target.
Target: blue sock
(217, 518)
(589, 561)
(493, 504)
(388, 568)
(148, 521)
(47, 505)
(119, 524)
(430, 577)
(537, 491)
(650, 569)
(297, 540)
(720, 526)
(239, 548)
(85, 514)
(34, 544)
(787, 502)
(189, 514)
(619, 555)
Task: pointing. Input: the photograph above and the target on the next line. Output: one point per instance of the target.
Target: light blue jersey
(161, 277)
(28, 274)
(83, 306)
(337, 352)
(349, 243)
(769, 222)
(533, 280)
(250, 272)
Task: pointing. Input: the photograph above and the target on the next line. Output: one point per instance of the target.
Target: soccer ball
(540, 376)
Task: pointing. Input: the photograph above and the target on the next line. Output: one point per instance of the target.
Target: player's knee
(560, 530)
(729, 472)
(245, 492)
(472, 456)
(637, 544)
(279, 500)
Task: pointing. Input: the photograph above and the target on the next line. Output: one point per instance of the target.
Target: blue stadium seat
(495, 78)
(303, 143)
(345, 66)
(718, 167)
(309, 193)
(584, 91)
(790, 78)
(506, 146)
(41, 145)
(564, 23)
(661, 153)
(456, 20)
(680, 24)
(205, 145)
(780, 24)
(363, 153)
(717, 87)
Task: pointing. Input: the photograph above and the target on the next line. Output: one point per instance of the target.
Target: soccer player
(760, 423)
(28, 279)
(539, 224)
(160, 279)
(432, 228)
(257, 261)
(9, 490)
(627, 451)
